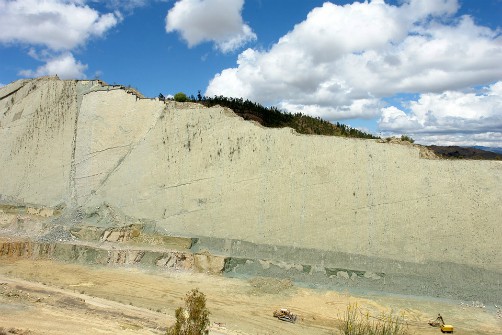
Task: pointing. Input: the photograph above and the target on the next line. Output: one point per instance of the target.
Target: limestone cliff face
(198, 171)
(37, 120)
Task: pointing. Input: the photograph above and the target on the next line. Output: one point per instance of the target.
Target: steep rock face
(37, 120)
(204, 172)
(61, 139)
(110, 125)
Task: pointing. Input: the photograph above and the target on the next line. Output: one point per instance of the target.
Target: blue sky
(427, 68)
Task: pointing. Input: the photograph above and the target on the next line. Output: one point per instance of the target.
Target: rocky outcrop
(185, 170)
(107, 255)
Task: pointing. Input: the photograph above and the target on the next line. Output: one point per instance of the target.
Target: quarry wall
(205, 172)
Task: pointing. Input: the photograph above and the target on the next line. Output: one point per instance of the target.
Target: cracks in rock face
(13, 92)
(73, 166)
(131, 146)
(166, 187)
(90, 176)
(95, 153)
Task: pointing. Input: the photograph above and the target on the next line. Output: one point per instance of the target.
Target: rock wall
(37, 122)
(204, 172)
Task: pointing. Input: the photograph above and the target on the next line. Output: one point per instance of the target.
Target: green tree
(193, 319)
(180, 97)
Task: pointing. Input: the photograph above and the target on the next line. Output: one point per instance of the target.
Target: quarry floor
(49, 297)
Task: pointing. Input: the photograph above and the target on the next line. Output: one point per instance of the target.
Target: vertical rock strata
(204, 172)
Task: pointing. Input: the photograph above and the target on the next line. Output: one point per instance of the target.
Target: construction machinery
(439, 322)
(285, 315)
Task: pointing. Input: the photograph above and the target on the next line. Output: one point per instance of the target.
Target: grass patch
(355, 322)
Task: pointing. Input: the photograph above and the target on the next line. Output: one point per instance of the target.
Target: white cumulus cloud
(218, 21)
(65, 66)
(452, 117)
(54, 28)
(341, 61)
(56, 24)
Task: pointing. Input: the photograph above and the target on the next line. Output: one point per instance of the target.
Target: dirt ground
(48, 297)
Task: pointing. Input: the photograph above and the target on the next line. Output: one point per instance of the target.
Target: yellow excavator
(439, 322)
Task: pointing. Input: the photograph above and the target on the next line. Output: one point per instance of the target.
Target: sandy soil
(47, 297)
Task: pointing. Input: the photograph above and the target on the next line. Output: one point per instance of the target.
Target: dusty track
(46, 297)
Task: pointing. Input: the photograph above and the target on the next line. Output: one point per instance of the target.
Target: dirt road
(47, 297)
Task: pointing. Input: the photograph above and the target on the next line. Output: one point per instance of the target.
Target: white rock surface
(206, 172)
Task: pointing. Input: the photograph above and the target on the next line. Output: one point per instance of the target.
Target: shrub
(194, 318)
(180, 97)
(357, 323)
(407, 138)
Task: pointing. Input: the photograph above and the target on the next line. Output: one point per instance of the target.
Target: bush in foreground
(357, 323)
(193, 319)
